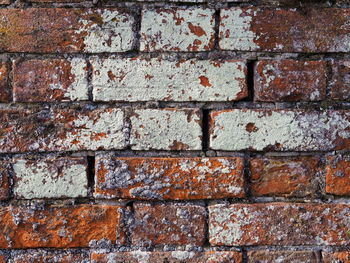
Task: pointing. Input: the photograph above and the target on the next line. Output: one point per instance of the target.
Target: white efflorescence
(113, 34)
(44, 180)
(235, 30)
(165, 129)
(78, 90)
(138, 79)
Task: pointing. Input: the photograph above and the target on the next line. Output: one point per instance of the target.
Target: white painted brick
(189, 29)
(50, 178)
(166, 129)
(163, 80)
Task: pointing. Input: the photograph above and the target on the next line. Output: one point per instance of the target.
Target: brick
(5, 92)
(177, 29)
(169, 178)
(5, 170)
(290, 80)
(5, 2)
(50, 178)
(50, 80)
(45, 256)
(3, 258)
(164, 80)
(166, 129)
(265, 256)
(65, 30)
(60, 227)
(336, 257)
(61, 129)
(279, 130)
(169, 257)
(281, 224)
(284, 30)
(340, 81)
(338, 175)
(168, 224)
(60, 1)
(281, 176)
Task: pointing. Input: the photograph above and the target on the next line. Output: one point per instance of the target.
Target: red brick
(5, 92)
(169, 257)
(289, 177)
(2, 258)
(285, 30)
(51, 30)
(50, 80)
(281, 224)
(60, 227)
(290, 80)
(338, 175)
(169, 178)
(265, 256)
(61, 129)
(336, 257)
(168, 224)
(44, 256)
(340, 81)
(5, 170)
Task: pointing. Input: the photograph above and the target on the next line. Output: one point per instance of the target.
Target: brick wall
(175, 131)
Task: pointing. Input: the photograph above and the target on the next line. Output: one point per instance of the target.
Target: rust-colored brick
(340, 81)
(50, 80)
(2, 258)
(168, 224)
(266, 256)
(44, 256)
(282, 224)
(336, 257)
(169, 257)
(5, 169)
(338, 175)
(290, 80)
(290, 177)
(5, 92)
(56, 30)
(169, 178)
(60, 227)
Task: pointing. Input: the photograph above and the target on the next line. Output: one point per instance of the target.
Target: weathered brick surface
(169, 257)
(65, 30)
(177, 29)
(338, 175)
(265, 256)
(3, 258)
(168, 224)
(60, 227)
(50, 177)
(5, 92)
(137, 79)
(159, 129)
(284, 30)
(340, 81)
(66, 129)
(281, 130)
(289, 177)
(50, 80)
(5, 169)
(290, 80)
(44, 256)
(169, 178)
(336, 257)
(279, 224)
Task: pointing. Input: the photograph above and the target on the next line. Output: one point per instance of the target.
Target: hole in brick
(91, 172)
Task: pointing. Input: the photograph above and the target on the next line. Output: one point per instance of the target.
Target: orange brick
(338, 175)
(169, 257)
(336, 257)
(169, 178)
(290, 177)
(168, 224)
(60, 227)
(5, 92)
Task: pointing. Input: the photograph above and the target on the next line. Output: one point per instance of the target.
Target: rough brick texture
(290, 80)
(340, 82)
(41, 256)
(138, 79)
(60, 227)
(5, 92)
(338, 175)
(169, 224)
(5, 170)
(340, 256)
(170, 257)
(289, 177)
(50, 80)
(169, 178)
(262, 256)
